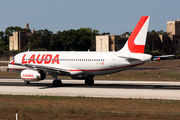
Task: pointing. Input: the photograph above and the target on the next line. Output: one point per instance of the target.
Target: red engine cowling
(30, 75)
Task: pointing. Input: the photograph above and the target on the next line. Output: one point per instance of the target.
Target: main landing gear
(56, 82)
(89, 80)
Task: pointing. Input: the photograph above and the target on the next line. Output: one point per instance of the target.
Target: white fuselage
(81, 63)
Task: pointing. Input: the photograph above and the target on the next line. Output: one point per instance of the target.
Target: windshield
(13, 58)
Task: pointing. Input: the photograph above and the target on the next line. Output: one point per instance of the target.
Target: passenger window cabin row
(68, 59)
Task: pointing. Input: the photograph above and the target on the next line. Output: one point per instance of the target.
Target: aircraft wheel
(57, 83)
(26, 82)
(89, 81)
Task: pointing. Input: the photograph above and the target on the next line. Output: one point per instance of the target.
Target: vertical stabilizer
(137, 40)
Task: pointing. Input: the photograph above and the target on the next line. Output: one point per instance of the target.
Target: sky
(114, 16)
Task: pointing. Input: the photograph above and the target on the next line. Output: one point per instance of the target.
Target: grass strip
(80, 107)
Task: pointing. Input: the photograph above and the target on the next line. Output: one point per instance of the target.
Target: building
(167, 43)
(19, 39)
(173, 27)
(110, 42)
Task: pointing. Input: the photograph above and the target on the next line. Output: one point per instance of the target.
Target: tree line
(71, 40)
(81, 39)
(152, 32)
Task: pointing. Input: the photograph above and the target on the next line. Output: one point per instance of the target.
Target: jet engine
(32, 75)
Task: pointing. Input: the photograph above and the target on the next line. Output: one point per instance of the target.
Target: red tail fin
(137, 40)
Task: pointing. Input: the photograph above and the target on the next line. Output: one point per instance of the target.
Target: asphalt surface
(101, 88)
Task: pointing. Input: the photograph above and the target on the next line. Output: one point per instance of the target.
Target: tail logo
(131, 42)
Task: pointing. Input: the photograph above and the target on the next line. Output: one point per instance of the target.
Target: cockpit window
(13, 58)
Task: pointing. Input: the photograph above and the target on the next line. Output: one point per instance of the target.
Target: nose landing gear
(26, 82)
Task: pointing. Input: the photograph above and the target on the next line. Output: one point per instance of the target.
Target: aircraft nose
(11, 63)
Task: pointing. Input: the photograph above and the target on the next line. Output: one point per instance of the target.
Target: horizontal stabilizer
(161, 56)
(129, 57)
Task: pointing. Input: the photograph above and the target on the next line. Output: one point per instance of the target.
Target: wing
(64, 71)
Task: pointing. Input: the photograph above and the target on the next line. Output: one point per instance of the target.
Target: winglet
(137, 40)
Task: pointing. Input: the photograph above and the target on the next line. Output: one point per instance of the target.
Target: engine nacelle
(30, 75)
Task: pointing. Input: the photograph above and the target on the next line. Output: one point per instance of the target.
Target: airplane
(35, 65)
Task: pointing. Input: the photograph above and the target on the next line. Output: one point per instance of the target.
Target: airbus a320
(35, 65)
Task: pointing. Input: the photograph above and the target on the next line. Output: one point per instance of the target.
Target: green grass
(142, 72)
(52, 107)
(64, 107)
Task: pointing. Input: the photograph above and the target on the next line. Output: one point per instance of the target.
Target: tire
(26, 82)
(89, 81)
(57, 83)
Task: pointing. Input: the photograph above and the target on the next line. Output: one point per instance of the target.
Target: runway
(101, 88)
